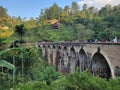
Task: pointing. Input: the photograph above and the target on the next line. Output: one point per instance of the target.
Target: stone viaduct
(102, 59)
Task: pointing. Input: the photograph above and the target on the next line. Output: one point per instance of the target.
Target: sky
(32, 8)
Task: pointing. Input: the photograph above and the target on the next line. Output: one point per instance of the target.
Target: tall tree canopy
(74, 8)
(53, 12)
(3, 12)
(20, 30)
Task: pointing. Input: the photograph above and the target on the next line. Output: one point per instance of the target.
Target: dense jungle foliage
(24, 71)
(22, 68)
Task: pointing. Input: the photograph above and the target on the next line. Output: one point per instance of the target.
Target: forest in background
(73, 24)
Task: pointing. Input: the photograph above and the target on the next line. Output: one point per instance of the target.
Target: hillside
(74, 24)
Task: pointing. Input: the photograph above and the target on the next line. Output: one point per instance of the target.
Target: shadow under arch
(54, 47)
(83, 60)
(100, 66)
(106, 58)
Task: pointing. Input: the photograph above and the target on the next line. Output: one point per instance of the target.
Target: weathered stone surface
(102, 59)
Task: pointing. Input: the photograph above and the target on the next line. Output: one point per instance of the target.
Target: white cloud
(98, 3)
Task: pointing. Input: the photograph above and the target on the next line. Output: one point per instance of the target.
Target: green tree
(4, 63)
(74, 8)
(3, 12)
(84, 12)
(67, 9)
(105, 11)
(44, 72)
(20, 30)
(53, 12)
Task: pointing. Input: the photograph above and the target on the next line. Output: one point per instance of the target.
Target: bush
(32, 85)
(81, 81)
(44, 72)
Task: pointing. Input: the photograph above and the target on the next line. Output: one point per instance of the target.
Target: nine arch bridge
(101, 59)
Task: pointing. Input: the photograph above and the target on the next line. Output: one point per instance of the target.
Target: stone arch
(65, 49)
(83, 60)
(106, 58)
(100, 65)
(59, 47)
(72, 60)
(54, 47)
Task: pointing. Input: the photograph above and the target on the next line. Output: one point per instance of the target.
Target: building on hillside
(55, 25)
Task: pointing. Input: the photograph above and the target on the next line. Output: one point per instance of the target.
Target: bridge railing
(77, 43)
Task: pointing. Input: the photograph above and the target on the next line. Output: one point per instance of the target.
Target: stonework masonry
(102, 59)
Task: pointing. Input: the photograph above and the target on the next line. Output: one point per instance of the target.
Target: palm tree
(20, 30)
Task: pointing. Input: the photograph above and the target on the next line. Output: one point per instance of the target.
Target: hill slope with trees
(71, 23)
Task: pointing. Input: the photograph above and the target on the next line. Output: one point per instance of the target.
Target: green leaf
(2, 52)
(4, 63)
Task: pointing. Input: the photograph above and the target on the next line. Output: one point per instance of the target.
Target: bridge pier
(49, 55)
(54, 52)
